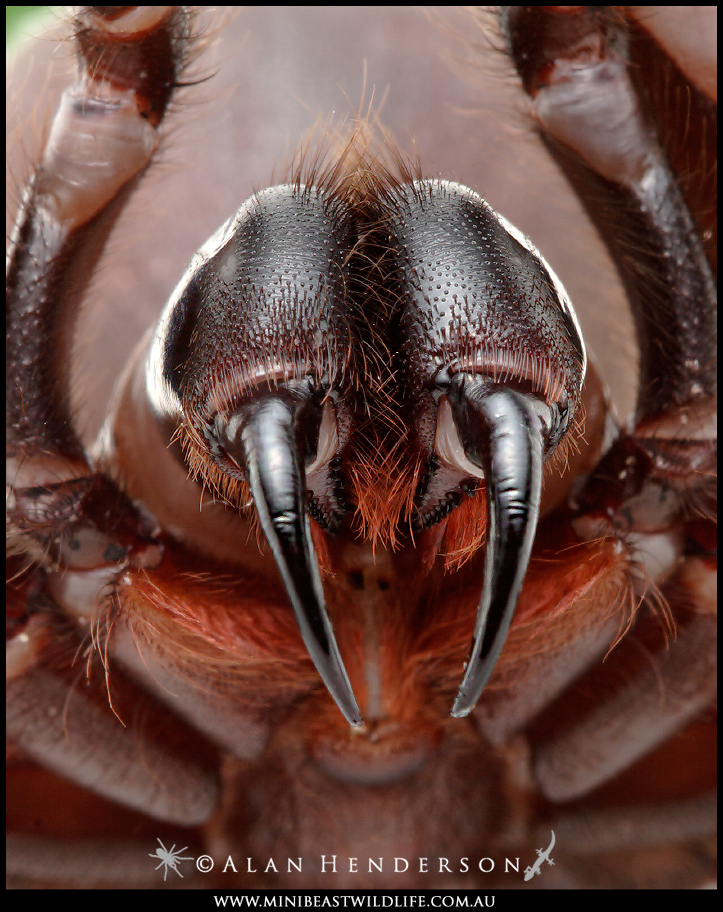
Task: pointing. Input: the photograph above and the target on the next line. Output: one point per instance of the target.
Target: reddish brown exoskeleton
(362, 437)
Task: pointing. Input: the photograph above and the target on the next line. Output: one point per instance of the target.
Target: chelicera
(362, 436)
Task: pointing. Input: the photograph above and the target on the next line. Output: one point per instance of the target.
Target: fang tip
(266, 442)
(503, 434)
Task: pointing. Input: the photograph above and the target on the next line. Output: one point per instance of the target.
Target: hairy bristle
(383, 486)
(466, 531)
(362, 175)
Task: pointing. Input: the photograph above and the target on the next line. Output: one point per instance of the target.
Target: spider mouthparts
(266, 445)
(503, 432)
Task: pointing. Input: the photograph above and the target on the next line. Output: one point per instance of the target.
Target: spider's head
(310, 311)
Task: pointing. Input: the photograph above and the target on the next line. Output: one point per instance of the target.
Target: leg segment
(104, 735)
(65, 516)
(103, 138)
(574, 64)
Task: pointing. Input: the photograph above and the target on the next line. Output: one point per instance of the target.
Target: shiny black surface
(503, 433)
(265, 444)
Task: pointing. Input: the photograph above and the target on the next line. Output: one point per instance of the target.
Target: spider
(281, 607)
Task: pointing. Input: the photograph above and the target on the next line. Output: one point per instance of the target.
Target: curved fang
(502, 431)
(267, 443)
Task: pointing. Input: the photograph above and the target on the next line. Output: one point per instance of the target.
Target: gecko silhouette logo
(542, 855)
(169, 858)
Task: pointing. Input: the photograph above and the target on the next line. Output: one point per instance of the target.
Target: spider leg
(102, 139)
(660, 473)
(56, 717)
(96, 863)
(651, 687)
(603, 829)
(604, 846)
(73, 521)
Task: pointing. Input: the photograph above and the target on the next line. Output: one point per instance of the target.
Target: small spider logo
(169, 858)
